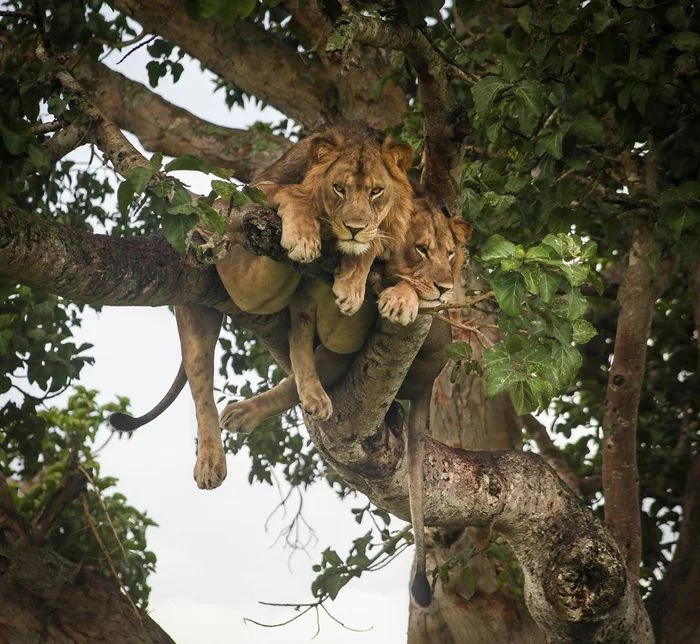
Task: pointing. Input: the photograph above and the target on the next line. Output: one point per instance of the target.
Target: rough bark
(46, 598)
(620, 473)
(463, 417)
(162, 126)
(245, 55)
(100, 269)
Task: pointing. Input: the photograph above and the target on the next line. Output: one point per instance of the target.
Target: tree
(566, 135)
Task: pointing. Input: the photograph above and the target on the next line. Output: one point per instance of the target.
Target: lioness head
(431, 257)
(360, 186)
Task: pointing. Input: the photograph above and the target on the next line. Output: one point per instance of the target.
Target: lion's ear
(401, 153)
(461, 229)
(321, 148)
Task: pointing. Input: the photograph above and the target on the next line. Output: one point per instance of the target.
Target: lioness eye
(422, 251)
(339, 189)
(376, 191)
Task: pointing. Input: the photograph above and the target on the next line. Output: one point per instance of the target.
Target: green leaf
(575, 273)
(156, 161)
(567, 361)
(38, 157)
(224, 188)
(532, 97)
(686, 191)
(687, 41)
(562, 20)
(139, 178)
(552, 144)
(532, 276)
(588, 128)
(155, 71)
(496, 248)
(14, 143)
(187, 162)
(500, 370)
(484, 92)
(570, 306)
(583, 331)
(125, 195)
(549, 284)
(509, 289)
(556, 243)
(176, 228)
(676, 16)
(458, 351)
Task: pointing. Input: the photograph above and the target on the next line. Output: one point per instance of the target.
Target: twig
(131, 51)
(470, 301)
(71, 485)
(115, 574)
(104, 508)
(485, 341)
(538, 432)
(49, 126)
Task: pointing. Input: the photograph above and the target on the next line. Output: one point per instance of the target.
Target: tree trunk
(46, 598)
(471, 606)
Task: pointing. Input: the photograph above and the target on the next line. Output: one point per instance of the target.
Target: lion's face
(362, 187)
(431, 259)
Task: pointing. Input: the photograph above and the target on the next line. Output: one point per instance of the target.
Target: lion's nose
(355, 229)
(442, 289)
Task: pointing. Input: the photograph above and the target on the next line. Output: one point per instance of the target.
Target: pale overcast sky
(215, 559)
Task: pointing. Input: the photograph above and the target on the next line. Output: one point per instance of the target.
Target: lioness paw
(400, 306)
(210, 468)
(316, 403)
(241, 416)
(348, 296)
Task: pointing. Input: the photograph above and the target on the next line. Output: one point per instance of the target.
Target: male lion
(347, 181)
(355, 189)
(426, 268)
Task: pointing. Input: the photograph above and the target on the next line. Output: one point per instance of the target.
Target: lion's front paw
(210, 468)
(316, 402)
(348, 296)
(301, 240)
(241, 416)
(400, 306)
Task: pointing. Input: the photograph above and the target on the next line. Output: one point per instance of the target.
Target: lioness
(425, 268)
(346, 180)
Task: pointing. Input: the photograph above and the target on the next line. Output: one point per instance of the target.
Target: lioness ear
(401, 153)
(321, 148)
(461, 230)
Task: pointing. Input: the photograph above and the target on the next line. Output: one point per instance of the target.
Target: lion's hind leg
(199, 330)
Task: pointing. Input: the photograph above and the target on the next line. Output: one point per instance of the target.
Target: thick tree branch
(246, 55)
(441, 155)
(551, 453)
(99, 269)
(620, 474)
(576, 585)
(164, 127)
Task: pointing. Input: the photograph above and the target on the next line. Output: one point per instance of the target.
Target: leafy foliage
(583, 120)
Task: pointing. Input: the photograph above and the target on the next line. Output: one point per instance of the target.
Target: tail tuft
(124, 422)
(420, 589)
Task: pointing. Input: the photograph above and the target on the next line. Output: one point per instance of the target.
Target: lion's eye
(376, 191)
(451, 255)
(422, 251)
(339, 190)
